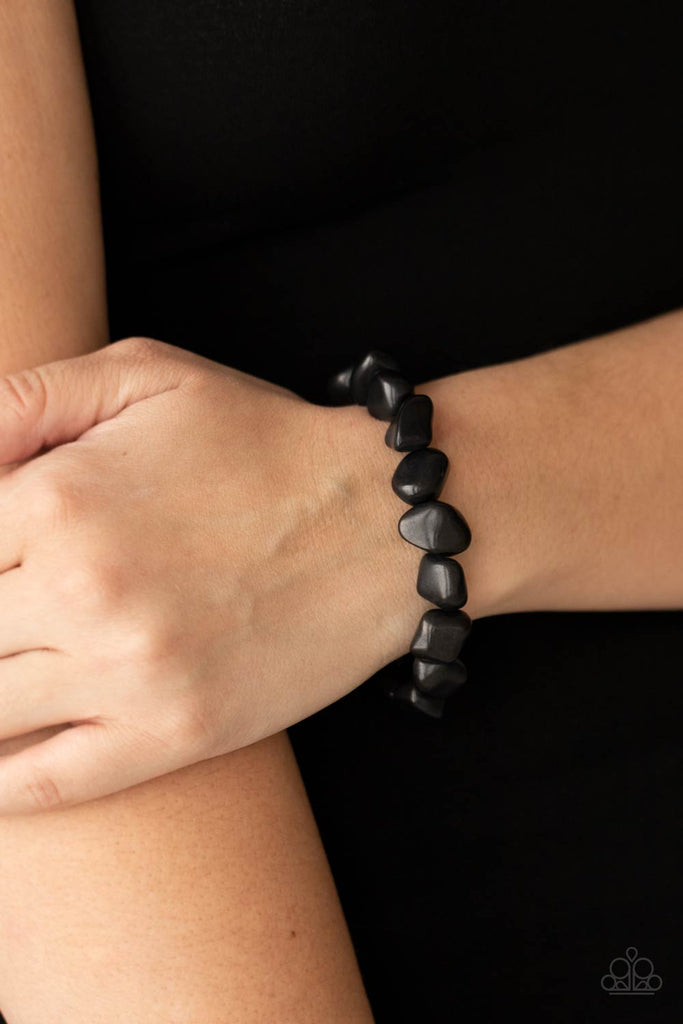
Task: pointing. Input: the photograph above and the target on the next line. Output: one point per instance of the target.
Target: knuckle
(56, 500)
(148, 641)
(23, 393)
(136, 347)
(192, 727)
(42, 792)
(85, 583)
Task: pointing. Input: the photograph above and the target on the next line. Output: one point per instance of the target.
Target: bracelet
(435, 526)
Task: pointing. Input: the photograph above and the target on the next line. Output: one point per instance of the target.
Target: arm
(52, 292)
(568, 466)
(204, 894)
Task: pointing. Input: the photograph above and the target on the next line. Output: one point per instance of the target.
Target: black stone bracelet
(439, 529)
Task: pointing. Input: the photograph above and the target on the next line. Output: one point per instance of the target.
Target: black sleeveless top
(287, 184)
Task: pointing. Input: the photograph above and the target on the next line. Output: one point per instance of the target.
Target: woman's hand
(198, 560)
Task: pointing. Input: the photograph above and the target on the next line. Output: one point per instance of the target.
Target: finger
(57, 402)
(39, 688)
(28, 739)
(26, 613)
(90, 760)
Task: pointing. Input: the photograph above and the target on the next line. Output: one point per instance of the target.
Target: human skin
(203, 895)
(569, 465)
(236, 619)
(52, 283)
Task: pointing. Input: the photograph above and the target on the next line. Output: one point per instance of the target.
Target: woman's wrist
(480, 423)
(565, 464)
(471, 424)
(572, 471)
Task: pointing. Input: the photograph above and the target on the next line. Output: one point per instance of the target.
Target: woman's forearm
(568, 466)
(52, 282)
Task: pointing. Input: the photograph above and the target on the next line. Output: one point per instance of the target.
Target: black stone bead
(436, 527)
(386, 391)
(441, 580)
(339, 387)
(411, 427)
(364, 371)
(440, 635)
(409, 695)
(420, 475)
(438, 678)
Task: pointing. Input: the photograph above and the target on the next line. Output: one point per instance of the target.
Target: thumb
(57, 402)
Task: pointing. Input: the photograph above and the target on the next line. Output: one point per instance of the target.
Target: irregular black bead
(339, 387)
(411, 427)
(436, 527)
(438, 678)
(387, 389)
(441, 580)
(440, 635)
(364, 371)
(409, 695)
(420, 475)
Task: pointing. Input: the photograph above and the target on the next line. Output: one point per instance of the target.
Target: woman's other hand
(191, 559)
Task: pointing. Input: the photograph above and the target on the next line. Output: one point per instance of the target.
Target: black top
(288, 184)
